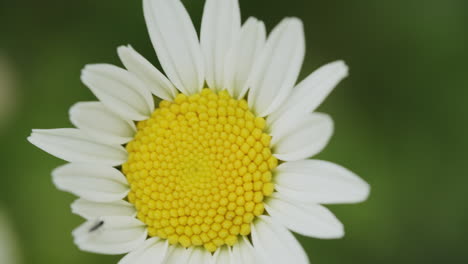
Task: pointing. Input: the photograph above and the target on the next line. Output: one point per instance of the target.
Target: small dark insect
(96, 226)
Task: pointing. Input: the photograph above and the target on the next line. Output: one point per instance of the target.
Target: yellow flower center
(199, 170)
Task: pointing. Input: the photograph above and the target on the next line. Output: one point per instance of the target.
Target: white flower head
(215, 173)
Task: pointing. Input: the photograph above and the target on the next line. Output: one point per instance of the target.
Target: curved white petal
(119, 90)
(92, 182)
(243, 252)
(275, 244)
(153, 251)
(306, 219)
(176, 43)
(199, 255)
(277, 69)
(223, 256)
(72, 145)
(156, 82)
(242, 56)
(303, 137)
(312, 91)
(110, 235)
(95, 120)
(91, 210)
(219, 29)
(177, 255)
(321, 182)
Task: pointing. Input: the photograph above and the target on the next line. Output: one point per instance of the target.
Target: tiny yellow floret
(199, 170)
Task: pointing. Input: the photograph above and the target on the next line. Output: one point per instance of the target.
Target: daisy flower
(217, 171)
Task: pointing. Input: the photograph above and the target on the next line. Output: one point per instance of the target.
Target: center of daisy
(199, 170)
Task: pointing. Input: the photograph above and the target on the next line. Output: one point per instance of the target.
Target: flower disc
(199, 170)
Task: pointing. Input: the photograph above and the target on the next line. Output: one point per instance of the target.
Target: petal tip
(30, 139)
(124, 50)
(366, 190)
(341, 68)
(339, 234)
(33, 137)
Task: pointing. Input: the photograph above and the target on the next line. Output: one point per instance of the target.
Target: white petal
(177, 255)
(176, 43)
(306, 219)
(303, 137)
(158, 84)
(153, 251)
(119, 90)
(200, 256)
(321, 182)
(91, 210)
(92, 182)
(277, 69)
(243, 252)
(72, 145)
(95, 120)
(274, 244)
(110, 235)
(242, 56)
(312, 91)
(223, 256)
(219, 29)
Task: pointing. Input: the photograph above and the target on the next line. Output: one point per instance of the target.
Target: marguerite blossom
(217, 171)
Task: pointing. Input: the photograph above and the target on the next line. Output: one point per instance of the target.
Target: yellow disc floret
(199, 170)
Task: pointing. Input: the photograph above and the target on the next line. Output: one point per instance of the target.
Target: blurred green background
(401, 117)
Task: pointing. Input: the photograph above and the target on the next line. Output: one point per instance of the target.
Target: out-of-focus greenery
(9, 250)
(401, 117)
